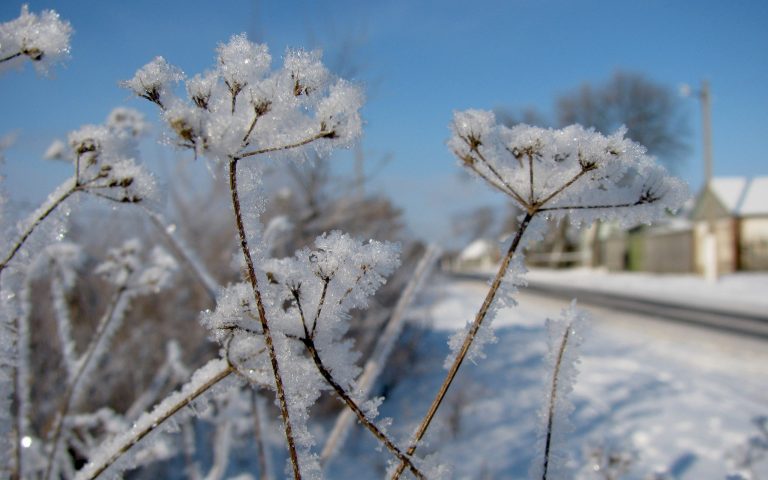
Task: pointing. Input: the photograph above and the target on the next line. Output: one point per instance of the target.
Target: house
(735, 210)
(481, 254)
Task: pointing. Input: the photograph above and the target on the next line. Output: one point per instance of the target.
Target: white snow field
(679, 400)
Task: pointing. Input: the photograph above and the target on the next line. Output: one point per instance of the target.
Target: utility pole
(710, 238)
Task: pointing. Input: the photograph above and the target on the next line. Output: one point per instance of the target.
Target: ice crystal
(43, 39)
(571, 171)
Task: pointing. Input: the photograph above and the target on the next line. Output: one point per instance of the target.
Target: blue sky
(418, 61)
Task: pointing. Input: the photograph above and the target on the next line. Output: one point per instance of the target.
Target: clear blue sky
(419, 61)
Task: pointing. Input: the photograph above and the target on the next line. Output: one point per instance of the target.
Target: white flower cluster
(42, 39)
(571, 171)
(241, 107)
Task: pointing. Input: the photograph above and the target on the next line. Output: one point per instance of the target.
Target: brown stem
(342, 394)
(251, 271)
(565, 185)
(481, 314)
(589, 207)
(553, 399)
(322, 134)
(24, 236)
(326, 281)
(11, 57)
(493, 170)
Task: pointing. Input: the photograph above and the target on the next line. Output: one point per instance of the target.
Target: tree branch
(553, 399)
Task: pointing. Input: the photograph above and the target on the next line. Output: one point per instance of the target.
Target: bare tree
(652, 112)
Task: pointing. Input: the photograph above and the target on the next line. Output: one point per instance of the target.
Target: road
(740, 323)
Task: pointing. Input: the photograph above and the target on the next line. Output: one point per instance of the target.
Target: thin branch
(530, 179)
(35, 223)
(295, 292)
(564, 186)
(85, 362)
(11, 57)
(326, 281)
(419, 434)
(590, 207)
(160, 414)
(251, 271)
(553, 399)
(261, 447)
(322, 134)
(344, 396)
(493, 170)
(182, 253)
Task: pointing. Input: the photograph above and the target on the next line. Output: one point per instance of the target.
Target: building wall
(725, 231)
(754, 243)
(668, 252)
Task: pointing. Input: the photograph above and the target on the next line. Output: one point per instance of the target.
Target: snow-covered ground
(679, 400)
(743, 291)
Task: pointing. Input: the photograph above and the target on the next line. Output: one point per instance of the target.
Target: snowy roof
(477, 249)
(742, 196)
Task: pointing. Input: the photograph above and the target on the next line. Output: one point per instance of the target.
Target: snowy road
(679, 399)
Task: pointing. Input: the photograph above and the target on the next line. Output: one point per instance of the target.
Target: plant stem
(553, 399)
(123, 446)
(301, 143)
(381, 436)
(69, 395)
(35, 223)
(10, 57)
(263, 319)
(481, 314)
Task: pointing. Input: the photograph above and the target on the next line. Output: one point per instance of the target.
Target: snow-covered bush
(42, 39)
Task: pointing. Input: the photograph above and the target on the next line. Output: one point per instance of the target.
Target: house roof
(742, 196)
(478, 249)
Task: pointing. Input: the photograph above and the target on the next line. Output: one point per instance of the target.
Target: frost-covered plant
(130, 275)
(549, 174)
(104, 160)
(43, 39)
(284, 326)
(565, 336)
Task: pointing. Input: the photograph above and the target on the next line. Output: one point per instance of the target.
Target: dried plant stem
(69, 395)
(11, 57)
(553, 398)
(251, 271)
(321, 134)
(119, 450)
(35, 223)
(261, 447)
(467, 343)
(192, 264)
(367, 423)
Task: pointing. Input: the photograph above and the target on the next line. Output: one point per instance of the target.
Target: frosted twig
(422, 429)
(553, 397)
(251, 272)
(11, 57)
(84, 364)
(183, 253)
(364, 420)
(202, 381)
(382, 350)
(323, 133)
(39, 217)
(258, 433)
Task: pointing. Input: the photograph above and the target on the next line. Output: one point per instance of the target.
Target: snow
(755, 201)
(674, 399)
(742, 292)
(742, 196)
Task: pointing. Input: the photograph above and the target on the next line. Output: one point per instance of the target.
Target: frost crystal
(571, 171)
(241, 108)
(42, 39)
(565, 336)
